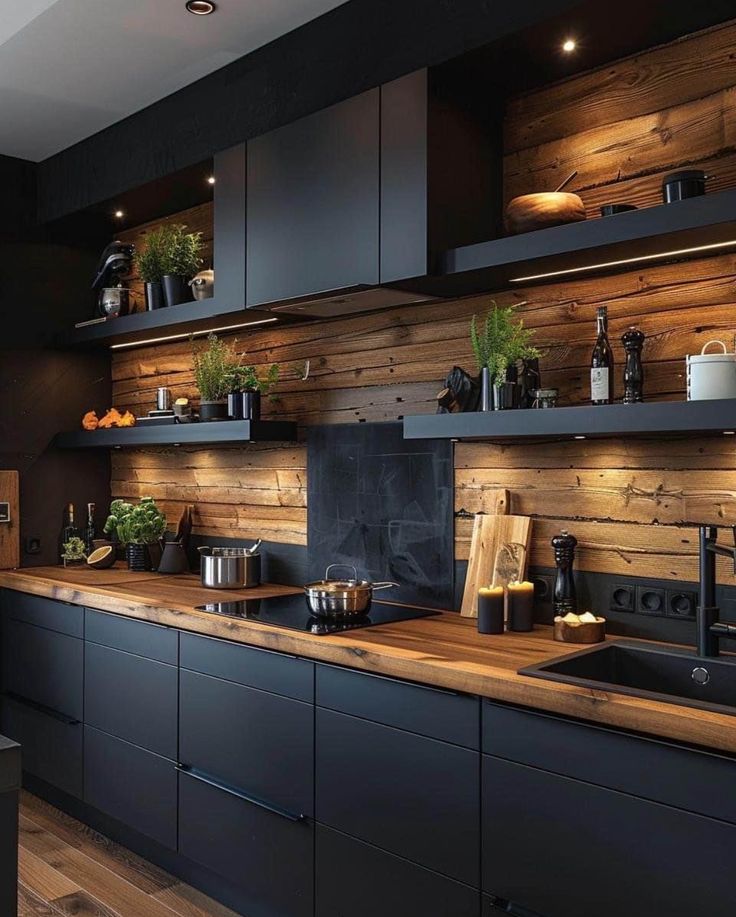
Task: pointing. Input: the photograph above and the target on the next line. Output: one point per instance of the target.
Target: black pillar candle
(521, 606)
(490, 610)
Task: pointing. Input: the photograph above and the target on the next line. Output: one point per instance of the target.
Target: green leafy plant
(246, 379)
(143, 523)
(501, 342)
(149, 258)
(214, 366)
(74, 550)
(181, 250)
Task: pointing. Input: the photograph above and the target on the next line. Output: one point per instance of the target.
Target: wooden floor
(67, 868)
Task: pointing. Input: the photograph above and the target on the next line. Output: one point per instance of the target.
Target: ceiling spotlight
(569, 45)
(210, 179)
(200, 7)
(119, 214)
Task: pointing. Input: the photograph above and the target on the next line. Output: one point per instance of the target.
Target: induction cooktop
(291, 611)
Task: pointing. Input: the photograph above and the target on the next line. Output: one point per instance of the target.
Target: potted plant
(181, 259)
(246, 389)
(148, 261)
(74, 551)
(498, 347)
(213, 373)
(139, 529)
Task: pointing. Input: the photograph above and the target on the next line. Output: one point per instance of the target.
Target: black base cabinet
(358, 880)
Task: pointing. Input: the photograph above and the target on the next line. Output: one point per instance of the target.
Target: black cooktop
(291, 611)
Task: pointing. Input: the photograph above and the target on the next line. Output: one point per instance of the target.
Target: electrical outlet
(32, 544)
(543, 595)
(650, 601)
(681, 604)
(622, 598)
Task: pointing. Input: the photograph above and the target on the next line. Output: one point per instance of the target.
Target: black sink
(665, 673)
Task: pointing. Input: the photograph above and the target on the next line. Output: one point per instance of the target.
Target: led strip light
(192, 334)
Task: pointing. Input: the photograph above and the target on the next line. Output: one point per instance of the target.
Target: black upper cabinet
(313, 203)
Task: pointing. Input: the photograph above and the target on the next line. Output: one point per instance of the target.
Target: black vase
(176, 289)
(138, 557)
(235, 406)
(486, 390)
(154, 296)
(505, 396)
(251, 405)
(212, 410)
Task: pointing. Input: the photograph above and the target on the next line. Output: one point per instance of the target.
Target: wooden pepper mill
(564, 597)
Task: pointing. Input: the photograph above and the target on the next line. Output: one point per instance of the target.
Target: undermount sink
(664, 673)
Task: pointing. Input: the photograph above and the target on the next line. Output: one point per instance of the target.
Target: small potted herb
(214, 365)
(246, 389)
(499, 345)
(74, 551)
(140, 529)
(181, 260)
(148, 261)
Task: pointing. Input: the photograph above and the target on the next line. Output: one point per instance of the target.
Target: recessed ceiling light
(200, 7)
(119, 214)
(569, 45)
(579, 437)
(729, 432)
(210, 179)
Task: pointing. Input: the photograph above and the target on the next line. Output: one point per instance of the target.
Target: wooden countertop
(445, 650)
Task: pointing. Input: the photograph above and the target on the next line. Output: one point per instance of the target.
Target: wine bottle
(68, 528)
(601, 363)
(89, 533)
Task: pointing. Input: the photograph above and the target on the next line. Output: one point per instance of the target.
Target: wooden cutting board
(10, 531)
(498, 552)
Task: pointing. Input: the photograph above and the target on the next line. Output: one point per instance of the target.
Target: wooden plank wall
(632, 505)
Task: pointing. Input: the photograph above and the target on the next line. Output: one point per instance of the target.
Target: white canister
(711, 375)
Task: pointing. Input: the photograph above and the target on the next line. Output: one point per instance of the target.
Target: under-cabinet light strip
(636, 260)
(192, 334)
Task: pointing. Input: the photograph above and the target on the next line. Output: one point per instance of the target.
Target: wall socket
(650, 600)
(622, 598)
(681, 604)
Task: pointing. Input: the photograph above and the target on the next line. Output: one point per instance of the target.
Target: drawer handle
(41, 708)
(234, 791)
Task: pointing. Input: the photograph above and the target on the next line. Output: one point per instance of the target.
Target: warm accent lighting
(569, 45)
(192, 334)
(638, 259)
(729, 432)
(579, 437)
(210, 179)
(200, 7)
(119, 214)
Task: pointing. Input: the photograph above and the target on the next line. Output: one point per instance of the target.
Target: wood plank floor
(66, 868)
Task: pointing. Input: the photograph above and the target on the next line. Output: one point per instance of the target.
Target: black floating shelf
(214, 433)
(648, 233)
(663, 418)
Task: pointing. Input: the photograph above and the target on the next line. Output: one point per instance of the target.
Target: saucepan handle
(384, 585)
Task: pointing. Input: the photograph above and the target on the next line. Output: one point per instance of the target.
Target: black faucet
(709, 628)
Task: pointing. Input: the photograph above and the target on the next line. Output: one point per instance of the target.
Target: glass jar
(545, 397)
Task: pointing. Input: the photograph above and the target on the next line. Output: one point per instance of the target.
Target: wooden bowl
(580, 633)
(540, 211)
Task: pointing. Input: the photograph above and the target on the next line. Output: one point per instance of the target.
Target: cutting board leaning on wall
(385, 505)
(9, 530)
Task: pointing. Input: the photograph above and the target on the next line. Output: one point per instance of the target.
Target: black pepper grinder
(564, 598)
(633, 341)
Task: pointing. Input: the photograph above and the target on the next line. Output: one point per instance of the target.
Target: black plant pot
(154, 296)
(138, 557)
(235, 406)
(212, 410)
(176, 289)
(251, 405)
(505, 396)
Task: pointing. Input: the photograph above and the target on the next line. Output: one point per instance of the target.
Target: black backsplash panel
(383, 504)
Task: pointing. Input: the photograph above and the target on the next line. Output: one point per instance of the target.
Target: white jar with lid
(711, 375)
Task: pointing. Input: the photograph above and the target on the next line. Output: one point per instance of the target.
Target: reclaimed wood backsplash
(632, 505)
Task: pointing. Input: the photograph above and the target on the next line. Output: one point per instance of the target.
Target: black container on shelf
(505, 396)
(213, 410)
(610, 210)
(251, 402)
(176, 289)
(138, 557)
(235, 405)
(486, 390)
(678, 186)
(154, 296)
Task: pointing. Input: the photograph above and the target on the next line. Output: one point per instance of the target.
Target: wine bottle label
(599, 383)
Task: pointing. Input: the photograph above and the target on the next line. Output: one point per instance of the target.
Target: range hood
(349, 301)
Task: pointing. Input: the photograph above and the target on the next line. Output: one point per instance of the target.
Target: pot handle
(348, 566)
(720, 343)
(203, 548)
(384, 585)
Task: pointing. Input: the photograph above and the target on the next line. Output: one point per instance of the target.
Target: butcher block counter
(444, 651)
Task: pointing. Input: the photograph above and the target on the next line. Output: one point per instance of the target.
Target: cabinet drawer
(267, 855)
(260, 742)
(33, 609)
(139, 637)
(427, 711)
(697, 781)
(357, 880)
(130, 784)
(413, 796)
(43, 666)
(255, 668)
(132, 698)
(51, 748)
(563, 848)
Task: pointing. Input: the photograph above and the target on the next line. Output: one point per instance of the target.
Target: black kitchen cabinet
(133, 785)
(48, 613)
(354, 879)
(139, 637)
(313, 203)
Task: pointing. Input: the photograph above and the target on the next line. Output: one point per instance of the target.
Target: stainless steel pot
(341, 598)
(231, 568)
